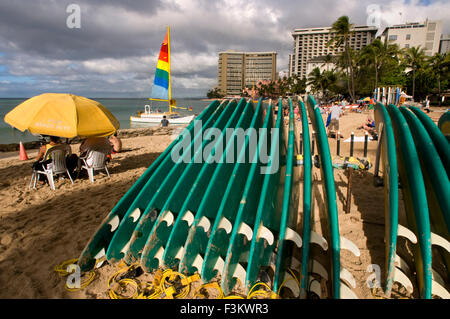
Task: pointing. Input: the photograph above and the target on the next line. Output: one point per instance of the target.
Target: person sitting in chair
(71, 159)
(100, 144)
(116, 143)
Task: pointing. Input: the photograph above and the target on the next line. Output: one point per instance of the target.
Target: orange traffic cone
(23, 153)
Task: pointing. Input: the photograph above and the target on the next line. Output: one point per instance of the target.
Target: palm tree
(377, 55)
(440, 66)
(322, 81)
(341, 30)
(414, 58)
(327, 59)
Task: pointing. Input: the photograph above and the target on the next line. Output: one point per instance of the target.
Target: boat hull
(157, 120)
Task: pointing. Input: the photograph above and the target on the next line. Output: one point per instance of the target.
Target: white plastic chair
(57, 154)
(94, 161)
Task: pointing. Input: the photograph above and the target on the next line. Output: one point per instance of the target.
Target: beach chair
(93, 161)
(57, 154)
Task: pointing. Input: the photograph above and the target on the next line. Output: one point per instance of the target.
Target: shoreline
(121, 133)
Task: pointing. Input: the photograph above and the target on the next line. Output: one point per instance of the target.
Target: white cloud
(117, 46)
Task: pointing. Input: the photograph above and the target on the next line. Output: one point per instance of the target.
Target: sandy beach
(41, 228)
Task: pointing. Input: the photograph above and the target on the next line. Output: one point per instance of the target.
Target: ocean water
(121, 108)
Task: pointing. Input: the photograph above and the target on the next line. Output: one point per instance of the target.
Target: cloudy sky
(113, 52)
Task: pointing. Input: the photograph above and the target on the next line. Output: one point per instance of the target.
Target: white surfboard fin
(350, 246)
(265, 233)
(436, 277)
(438, 290)
(318, 269)
(314, 286)
(437, 240)
(168, 218)
(198, 263)
(346, 292)
(220, 263)
(114, 222)
(100, 257)
(400, 263)
(319, 240)
(225, 224)
(136, 214)
(180, 253)
(188, 218)
(126, 247)
(401, 278)
(205, 223)
(246, 231)
(292, 284)
(292, 235)
(347, 278)
(159, 255)
(402, 231)
(239, 273)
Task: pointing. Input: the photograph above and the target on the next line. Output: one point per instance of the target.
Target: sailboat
(162, 91)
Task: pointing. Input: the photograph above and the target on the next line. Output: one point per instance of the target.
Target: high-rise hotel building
(425, 35)
(237, 70)
(312, 42)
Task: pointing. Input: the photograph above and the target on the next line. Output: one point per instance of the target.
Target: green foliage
(214, 93)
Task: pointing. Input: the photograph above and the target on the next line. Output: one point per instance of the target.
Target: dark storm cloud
(116, 48)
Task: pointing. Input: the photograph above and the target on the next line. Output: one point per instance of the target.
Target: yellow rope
(261, 293)
(61, 269)
(212, 285)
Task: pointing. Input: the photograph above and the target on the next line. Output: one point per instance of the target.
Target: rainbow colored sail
(161, 84)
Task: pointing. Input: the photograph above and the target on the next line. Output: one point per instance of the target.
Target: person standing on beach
(335, 113)
(164, 122)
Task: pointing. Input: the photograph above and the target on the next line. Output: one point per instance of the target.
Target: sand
(41, 228)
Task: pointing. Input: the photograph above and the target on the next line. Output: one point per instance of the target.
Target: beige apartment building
(310, 43)
(237, 70)
(444, 47)
(426, 34)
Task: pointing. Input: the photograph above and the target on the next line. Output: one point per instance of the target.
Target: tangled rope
(167, 284)
(86, 278)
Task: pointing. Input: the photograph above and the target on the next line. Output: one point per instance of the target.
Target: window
(408, 37)
(392, 37)
(407, 46)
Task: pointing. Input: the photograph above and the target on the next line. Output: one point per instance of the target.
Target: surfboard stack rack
(414, 153)
(226, 200)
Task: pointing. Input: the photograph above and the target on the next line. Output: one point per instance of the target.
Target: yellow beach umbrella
(63, 115)
(367, 99)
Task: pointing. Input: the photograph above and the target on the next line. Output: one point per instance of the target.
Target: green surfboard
(307, 196)
(273, 202)
(414, 197)
(99, 243)
(444, 124)
(219, 239)
(144, 208)
(436, 180)
(145, 224)
(193, 237)
(187, 192)
(288, 239)
(390, 176)
(326, 168)
(241, 234)
(438, 138)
